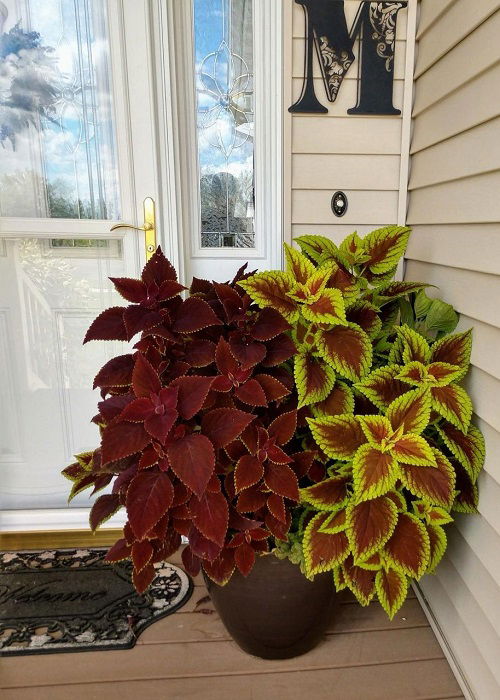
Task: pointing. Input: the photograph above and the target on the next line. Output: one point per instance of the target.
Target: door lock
(149, 226)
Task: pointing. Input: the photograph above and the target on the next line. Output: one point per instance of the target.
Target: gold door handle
(149, 226)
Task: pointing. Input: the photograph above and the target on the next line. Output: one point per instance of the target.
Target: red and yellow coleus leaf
(369, 525)
(323, 552)
(336, 522)
(74, 472)
(352, 249)
(408, 549)
(338, 436)
(405, 447)
(314, 379)
(359, 580)
(433, 515)
(116, 372)
(345, 282)
(268, 324)
(453, 403)
(469, 449)
(467, 498)
(454, 349)
(366, 316)
(223, 425)
(339, 579)
(300, 267)
(221, 568)
(374, 472)
(347, 349)
(384, 248)
(435, 374)
(373, 563)
(381, 386)
(109, 325)
(340, 400)
(435, 485)
(414, 450)
(437, 541)
(392, 588)
(395, 289)
(119, 551)
(327, 308)
(273, 388)
(377, 429)
(273, 289)
(317, 246)
(317, 282)
(411, 411)
(328, 495)
(415, 348)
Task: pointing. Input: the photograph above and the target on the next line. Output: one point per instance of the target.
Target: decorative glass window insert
(223, 44)
(58, 156)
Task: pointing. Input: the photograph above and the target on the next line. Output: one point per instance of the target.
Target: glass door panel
(56, 112)
(77, 154)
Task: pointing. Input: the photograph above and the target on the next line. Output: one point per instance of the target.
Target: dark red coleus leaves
(197, 425)
(149, 495)
(192, 459)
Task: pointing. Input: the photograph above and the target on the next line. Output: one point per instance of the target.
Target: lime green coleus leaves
(320, 293)
(301, 290)
(381, 448)
(380, 388)
(434, 369)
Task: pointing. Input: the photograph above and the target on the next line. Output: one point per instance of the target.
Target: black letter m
(326, 28)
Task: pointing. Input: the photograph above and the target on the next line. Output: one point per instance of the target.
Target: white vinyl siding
(454, 209)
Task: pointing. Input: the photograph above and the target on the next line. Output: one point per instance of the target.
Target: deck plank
(425, 680)
(205, 625)
(191, 659)
(190, 655)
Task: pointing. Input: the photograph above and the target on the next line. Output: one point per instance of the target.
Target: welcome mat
(72, 600)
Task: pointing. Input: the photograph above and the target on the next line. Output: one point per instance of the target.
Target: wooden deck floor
(189, 655)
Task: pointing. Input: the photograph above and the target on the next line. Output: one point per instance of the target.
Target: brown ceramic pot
(275, 612)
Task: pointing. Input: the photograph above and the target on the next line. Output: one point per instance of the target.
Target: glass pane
(50, 295)
(58, 155)
(223, 39)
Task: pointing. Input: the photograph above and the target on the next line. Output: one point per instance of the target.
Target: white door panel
(69, 170)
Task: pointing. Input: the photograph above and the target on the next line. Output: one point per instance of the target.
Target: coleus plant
(198, 426)
(313, 412)
(377, 379)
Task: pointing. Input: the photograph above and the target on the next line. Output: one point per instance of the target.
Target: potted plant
(313, 413)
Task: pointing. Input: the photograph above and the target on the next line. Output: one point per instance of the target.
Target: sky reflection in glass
(225, 121)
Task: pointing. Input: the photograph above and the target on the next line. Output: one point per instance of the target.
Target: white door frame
(130, 25)
(174, 21)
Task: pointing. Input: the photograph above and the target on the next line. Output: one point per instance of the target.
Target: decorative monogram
(326, 29)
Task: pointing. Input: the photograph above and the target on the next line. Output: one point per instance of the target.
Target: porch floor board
(190, 655)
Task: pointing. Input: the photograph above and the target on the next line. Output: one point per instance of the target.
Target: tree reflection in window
(56, 111)
(223, 38)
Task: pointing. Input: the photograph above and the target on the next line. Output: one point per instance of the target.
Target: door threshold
(57, 539)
